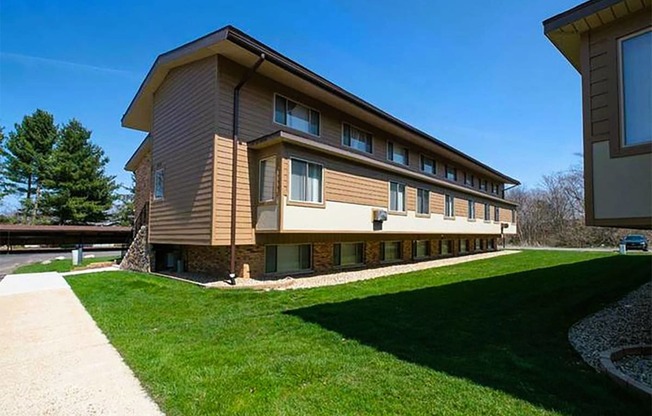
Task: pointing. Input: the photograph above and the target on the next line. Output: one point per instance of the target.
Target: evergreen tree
(124, 210)
(27, 152)
(78, 189)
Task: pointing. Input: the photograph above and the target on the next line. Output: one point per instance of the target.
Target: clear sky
(478, 75)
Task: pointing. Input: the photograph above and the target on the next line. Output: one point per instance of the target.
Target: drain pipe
(234, 159)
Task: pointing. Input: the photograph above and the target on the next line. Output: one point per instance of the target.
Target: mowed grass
(484, 337)
(60, 266)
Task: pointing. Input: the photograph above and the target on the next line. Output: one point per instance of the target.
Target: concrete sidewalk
(54, 360)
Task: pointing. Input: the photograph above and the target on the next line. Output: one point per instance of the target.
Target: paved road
(8, 262)
(55, 360)
(599, 249)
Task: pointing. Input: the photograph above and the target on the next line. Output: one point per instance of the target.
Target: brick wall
(143, 183)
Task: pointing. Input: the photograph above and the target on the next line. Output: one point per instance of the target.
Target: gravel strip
(353, 276)
(626, 322)
(638, 367)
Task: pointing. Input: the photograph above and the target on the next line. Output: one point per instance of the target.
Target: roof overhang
(565, 29)
(293, 139)
(245, 50)
(144, 148)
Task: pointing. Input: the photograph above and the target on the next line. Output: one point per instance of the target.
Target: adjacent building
(322, 180)
(609, 42)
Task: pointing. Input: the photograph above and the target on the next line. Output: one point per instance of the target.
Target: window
(306, 181)
(287, 258)
(471, 209)
(428, 165)
(423, 201)
(491, 244)
(445, 247)
(421, 249)
(295, 115)
(636, 81)
(267, 180)
(477, 245)
(464, 246)
(496, 214)
(390, 251)
(487, 212)
(356, 139)
(449, 208)
(159, 184)
(483, 185)
(494, 188)
(396, 197)
(398, 154)
(451, 173)
(348, 254)
(469, 180)
(513, 216)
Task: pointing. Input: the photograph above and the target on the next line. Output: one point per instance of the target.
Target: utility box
(77, 257)
(622, 249)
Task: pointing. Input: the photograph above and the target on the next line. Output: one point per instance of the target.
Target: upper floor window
(483, 185)
(295, 115)
(428, 165)
(398, 154)
(451, 173)
(357, 139)
(159, 184)
(267, 179)
(636, 91)
(423, 201)
(471, 209)
(306, 182)
(494, 188)
(449, 206)
(396, 197)
(469, 179)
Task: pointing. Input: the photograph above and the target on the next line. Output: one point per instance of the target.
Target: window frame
(468, 175)
(339, 245)
(301, 104)
(496, 214)
(371, 138)
(487, 212)
(414, 249)
(422, 157)
(392, 144)
(446, 167)
(389, 198)
(471, 210)
(383, 244)
(323, 181)
(483, 184)
(260, 183)
(276, 272)
(159, 171)
(451, 214)
(418, 205)
(448, 247)
(622, 148)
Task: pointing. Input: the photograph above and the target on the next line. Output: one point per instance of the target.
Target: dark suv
(635, 242)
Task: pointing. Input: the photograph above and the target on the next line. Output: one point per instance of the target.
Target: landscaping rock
(626, 322)
(637, 367)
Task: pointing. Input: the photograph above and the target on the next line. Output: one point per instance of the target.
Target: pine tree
(124, 210)
(27, 152)
(78, 189)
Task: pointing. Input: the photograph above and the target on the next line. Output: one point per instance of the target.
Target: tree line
(552, 214)
(58, 175)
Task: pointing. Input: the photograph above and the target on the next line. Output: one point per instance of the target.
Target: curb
(607, 365)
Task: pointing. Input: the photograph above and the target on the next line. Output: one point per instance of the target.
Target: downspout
(234, 159)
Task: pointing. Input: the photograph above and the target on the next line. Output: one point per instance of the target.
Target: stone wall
(138, 257)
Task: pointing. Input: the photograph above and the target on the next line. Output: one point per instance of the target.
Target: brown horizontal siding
(256, 118)
(182, 130)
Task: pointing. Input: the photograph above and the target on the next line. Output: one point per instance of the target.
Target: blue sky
(483, 78)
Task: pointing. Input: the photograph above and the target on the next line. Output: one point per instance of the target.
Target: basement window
(390, 251)
(445, 247)
(421, 249)
(348, 254)
(288, 258)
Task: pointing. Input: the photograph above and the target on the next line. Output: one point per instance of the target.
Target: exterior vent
(380, 215)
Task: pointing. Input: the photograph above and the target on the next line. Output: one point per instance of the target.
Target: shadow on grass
(506, 332)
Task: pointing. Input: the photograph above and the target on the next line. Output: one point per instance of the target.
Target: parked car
(635, 242)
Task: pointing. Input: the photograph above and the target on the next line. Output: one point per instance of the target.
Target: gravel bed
(626, 322)
(638, 367)
(353, 276)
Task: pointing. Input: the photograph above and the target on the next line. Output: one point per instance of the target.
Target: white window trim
(417, 207)
(407, 154)
(621, 91)
(323, 180)
(300, 103)
(389, 197)
(154, 196)
(357, 128)
(260, 162)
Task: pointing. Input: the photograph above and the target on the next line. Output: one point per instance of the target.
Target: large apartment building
(323, 180)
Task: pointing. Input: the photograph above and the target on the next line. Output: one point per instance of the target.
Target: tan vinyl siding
(257, 118)
(461, 207)
(182, 131)
(437, 202)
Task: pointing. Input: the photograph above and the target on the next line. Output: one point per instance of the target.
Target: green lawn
(60, 266)
(485, 337)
